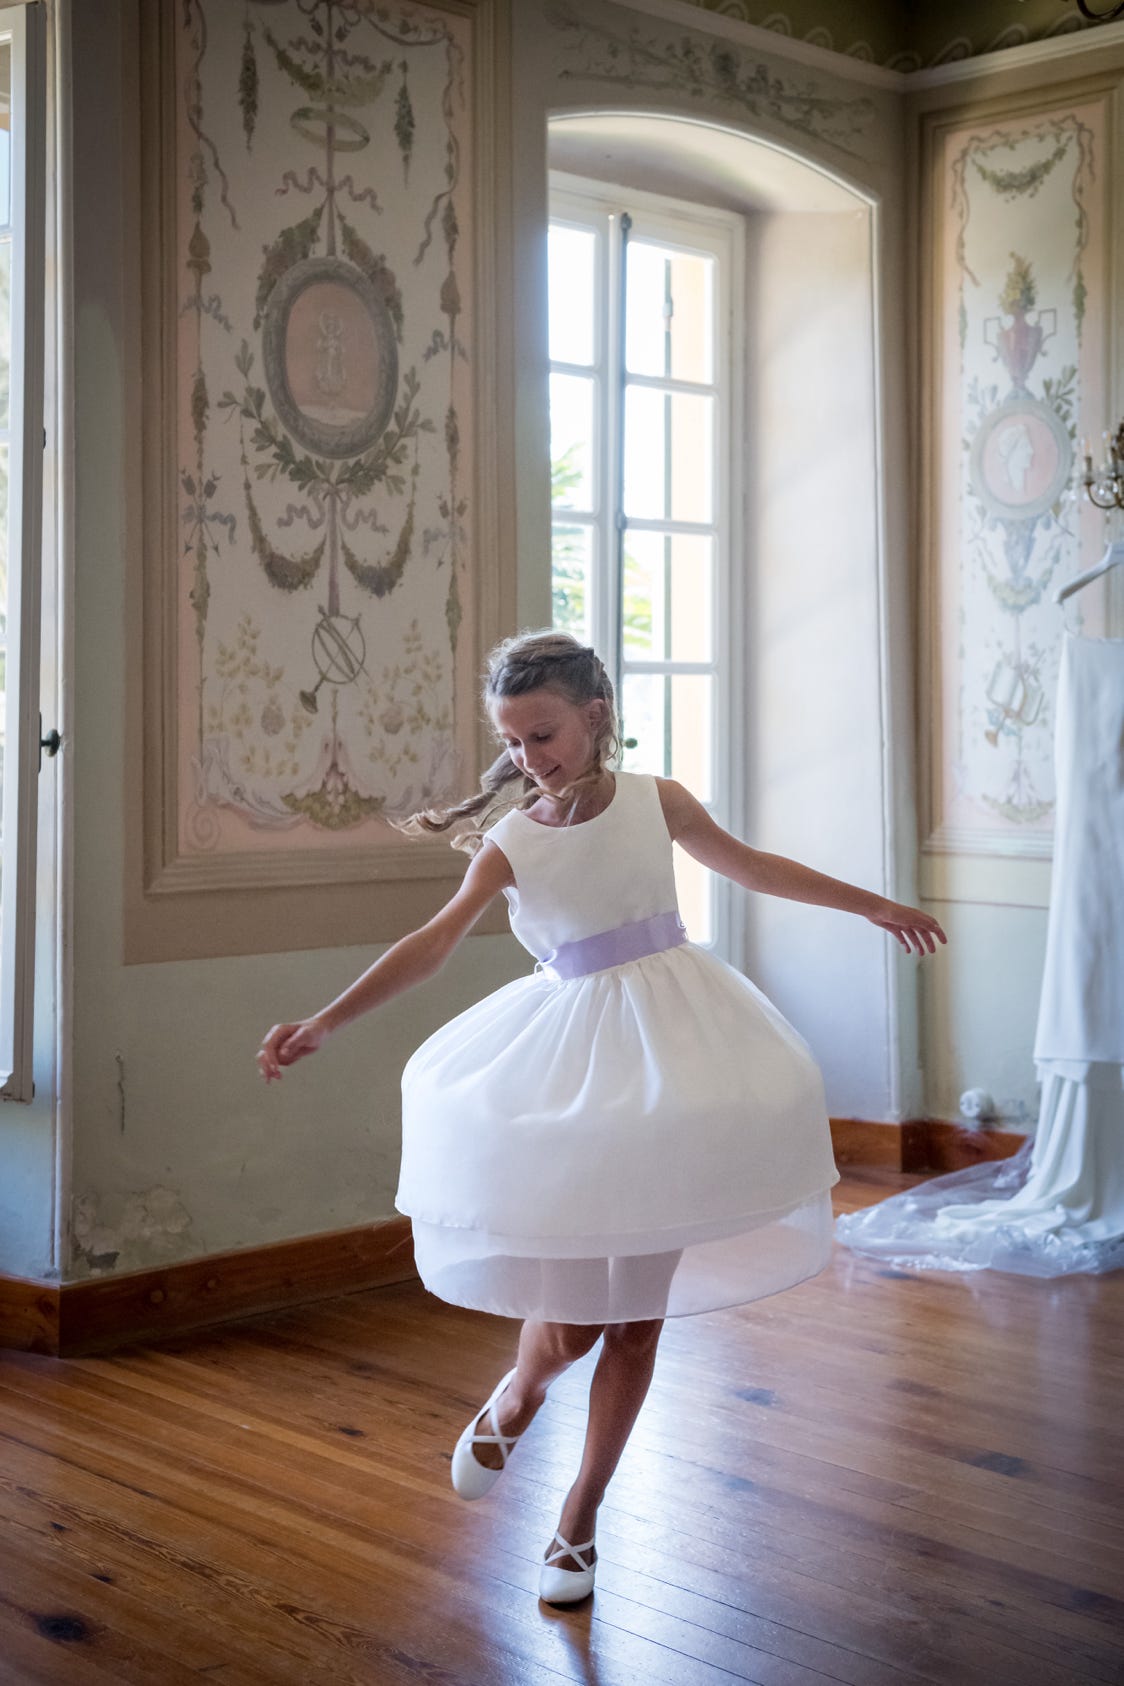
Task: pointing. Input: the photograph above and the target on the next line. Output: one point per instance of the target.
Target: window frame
(25, 27)
(589, 204)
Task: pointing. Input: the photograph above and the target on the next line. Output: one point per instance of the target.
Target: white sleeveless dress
(647, 1139)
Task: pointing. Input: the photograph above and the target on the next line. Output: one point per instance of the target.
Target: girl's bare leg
(619, 1387)
(545, 1350)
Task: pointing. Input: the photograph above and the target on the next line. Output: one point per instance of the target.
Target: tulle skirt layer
(646, 1141)
(509, 1275)
(1056, 1208)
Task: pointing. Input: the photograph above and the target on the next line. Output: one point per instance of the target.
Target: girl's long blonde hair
(531, 661)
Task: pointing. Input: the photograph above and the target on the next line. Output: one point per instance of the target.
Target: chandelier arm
(1113, 503)
(1100, 17)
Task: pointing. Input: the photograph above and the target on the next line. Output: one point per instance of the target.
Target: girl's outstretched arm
(776, 875)
(408, 962)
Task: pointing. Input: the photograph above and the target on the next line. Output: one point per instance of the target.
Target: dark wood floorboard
(879, 1478)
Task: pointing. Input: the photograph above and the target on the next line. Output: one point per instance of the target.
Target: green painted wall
(908, 37)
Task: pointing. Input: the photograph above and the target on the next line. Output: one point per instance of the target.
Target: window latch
(51, 743)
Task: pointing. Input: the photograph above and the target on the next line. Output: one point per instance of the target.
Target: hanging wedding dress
(1057, 1206)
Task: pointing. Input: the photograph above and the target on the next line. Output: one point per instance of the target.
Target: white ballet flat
(471, 1478)
(566, 1586)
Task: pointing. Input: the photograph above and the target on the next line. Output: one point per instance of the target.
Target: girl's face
(549, 738)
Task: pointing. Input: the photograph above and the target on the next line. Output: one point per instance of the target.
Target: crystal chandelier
(1109, 481)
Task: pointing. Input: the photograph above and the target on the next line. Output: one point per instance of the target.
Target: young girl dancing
(634, 1131)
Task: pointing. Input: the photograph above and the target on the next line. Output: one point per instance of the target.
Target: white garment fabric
(647, 1140)
(1081, 1014)
(1057, 1207)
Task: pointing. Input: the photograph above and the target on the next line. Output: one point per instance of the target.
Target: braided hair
(531, 661)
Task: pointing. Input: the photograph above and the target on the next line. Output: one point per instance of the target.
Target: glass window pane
(5, 382)
(571, 253)
(668, 467)
(5, 133)
(5, 372)
(670, 716)
(5, 328)
(670, 313)
(668, 587)
(571, 441)
(694, 889)
(643, 702)
(572, 552)
(692, 712)
(3, 634)
(692, 321)
(646, 335)
(676, 748)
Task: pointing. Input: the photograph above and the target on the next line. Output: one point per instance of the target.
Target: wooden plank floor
(873, 1478)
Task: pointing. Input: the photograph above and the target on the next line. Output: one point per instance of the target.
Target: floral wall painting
(1018, 310)
(709, 71)
(321, 204)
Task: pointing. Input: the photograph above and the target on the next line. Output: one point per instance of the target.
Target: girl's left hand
(912, 928)
(288, 1042)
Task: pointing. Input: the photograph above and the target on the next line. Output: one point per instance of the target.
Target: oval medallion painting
(331, 361)
(1021, 460)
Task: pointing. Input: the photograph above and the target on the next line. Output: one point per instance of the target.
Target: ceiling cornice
(1053, 50)
(1050, 51)
(771, 41)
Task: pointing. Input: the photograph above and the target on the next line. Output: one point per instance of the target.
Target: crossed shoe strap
(571, 1551)
(504, 1441)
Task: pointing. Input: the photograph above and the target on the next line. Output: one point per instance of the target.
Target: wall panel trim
(180, 906)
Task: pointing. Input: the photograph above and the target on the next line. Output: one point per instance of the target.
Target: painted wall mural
(711, 71)
(324, 376)
(1021, 373)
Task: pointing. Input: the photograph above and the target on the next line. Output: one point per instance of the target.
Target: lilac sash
(613, 948)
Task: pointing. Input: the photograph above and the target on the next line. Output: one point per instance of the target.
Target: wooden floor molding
(102, 1312)
(925, 1145)
(878, 1478)
(29, 1315)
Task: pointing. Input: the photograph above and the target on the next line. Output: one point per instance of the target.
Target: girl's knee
(574, 1340)
(640, 1336)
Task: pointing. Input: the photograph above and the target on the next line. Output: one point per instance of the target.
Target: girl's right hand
(288, 1042)
(914, 929)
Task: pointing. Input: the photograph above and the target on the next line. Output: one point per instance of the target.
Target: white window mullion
(558, 367)
(648, 665)
(664, 383)
(23, 30)
(656, 524)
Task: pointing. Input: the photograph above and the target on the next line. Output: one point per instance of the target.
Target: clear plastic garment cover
(1057, 1207)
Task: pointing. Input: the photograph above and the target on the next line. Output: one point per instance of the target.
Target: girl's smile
(549, 738)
